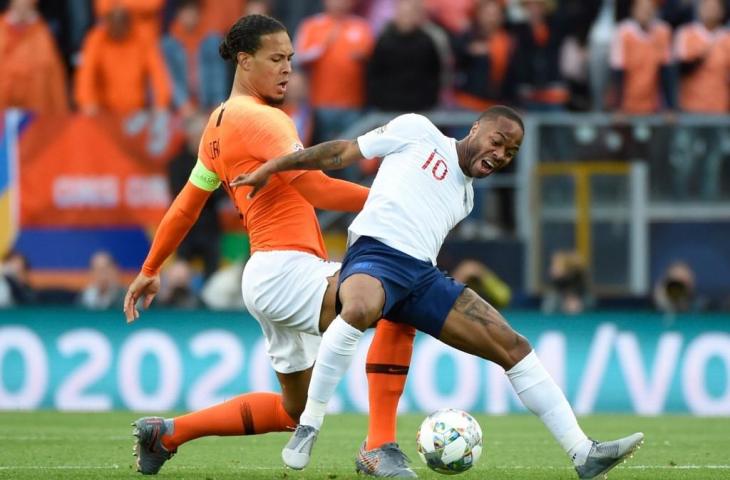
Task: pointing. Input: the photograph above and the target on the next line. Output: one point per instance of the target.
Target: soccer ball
(449, 441)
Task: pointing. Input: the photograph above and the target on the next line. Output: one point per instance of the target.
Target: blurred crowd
(155, 64)
(184, 286)
(123, 56)
(188, 283)
(158, 60)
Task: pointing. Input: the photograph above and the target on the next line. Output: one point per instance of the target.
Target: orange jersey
(242, 134)
(33, 76)
(146, 14)
(641, 54)
(220, 15)
(706, 89)
(336, 51)
(115, 75)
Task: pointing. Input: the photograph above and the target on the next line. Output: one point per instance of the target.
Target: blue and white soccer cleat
(388, 460)
(298, 450)
(603, 456)
(148, 448)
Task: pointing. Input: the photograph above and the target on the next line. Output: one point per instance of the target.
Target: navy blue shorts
(416, 292)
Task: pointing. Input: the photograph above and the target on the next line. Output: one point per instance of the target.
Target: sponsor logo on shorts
(363, 265)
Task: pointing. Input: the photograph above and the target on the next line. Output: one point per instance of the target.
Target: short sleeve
(393, 136)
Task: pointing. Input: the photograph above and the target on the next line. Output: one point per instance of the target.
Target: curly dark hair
(245, 35)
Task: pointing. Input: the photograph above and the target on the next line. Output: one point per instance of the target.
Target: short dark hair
(493, 113)
(245, 35)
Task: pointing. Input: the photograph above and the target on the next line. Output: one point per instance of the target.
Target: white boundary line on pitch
(512, 467)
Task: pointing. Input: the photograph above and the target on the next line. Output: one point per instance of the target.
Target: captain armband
(203, 178)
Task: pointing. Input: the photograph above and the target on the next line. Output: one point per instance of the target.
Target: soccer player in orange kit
(288, 285)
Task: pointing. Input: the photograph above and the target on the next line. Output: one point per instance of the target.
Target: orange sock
(247, 414)
(387, 367)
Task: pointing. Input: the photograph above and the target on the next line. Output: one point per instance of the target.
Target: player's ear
(244, 60)
(474, 127)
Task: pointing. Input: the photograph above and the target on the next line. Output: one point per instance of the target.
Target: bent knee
(359, 313)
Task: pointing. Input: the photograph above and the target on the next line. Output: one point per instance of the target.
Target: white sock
(542, 396)
(335, 354)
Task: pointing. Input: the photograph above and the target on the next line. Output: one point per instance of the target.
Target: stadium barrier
(630, 362)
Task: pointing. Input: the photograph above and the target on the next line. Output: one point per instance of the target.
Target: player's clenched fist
(142, 286)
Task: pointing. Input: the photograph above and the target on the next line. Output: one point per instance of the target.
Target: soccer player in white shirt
(422, 190)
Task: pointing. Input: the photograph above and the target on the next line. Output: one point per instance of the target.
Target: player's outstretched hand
(142, 286)
(256, 179)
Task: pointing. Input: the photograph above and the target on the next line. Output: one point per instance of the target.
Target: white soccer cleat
(298, 451)
(603, 456)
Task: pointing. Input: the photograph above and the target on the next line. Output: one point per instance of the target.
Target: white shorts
(283, 290)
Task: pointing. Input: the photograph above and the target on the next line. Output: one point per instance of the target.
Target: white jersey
(419, 193)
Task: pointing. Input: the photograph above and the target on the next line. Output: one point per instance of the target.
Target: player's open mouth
(486, 168)
(282, 85)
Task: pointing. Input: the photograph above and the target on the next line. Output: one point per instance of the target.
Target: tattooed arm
(332, 155)
(325, 156)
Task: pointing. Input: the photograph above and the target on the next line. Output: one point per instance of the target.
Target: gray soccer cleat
(606, 455)
(148, 448)
(386, 461)
(298, 450)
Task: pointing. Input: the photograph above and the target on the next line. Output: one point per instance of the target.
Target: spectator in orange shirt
(640, 58)
(219, 15)
(199, 76)
(145, 14)
(483, 60)
(33, 76)
(116, 67)
(334, 46)
(702, 50)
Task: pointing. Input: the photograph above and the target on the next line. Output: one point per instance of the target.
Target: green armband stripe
(203, 178)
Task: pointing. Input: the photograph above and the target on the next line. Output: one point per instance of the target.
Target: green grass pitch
(99, 445)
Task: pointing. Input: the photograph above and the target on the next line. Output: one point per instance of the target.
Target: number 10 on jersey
(439, 169)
